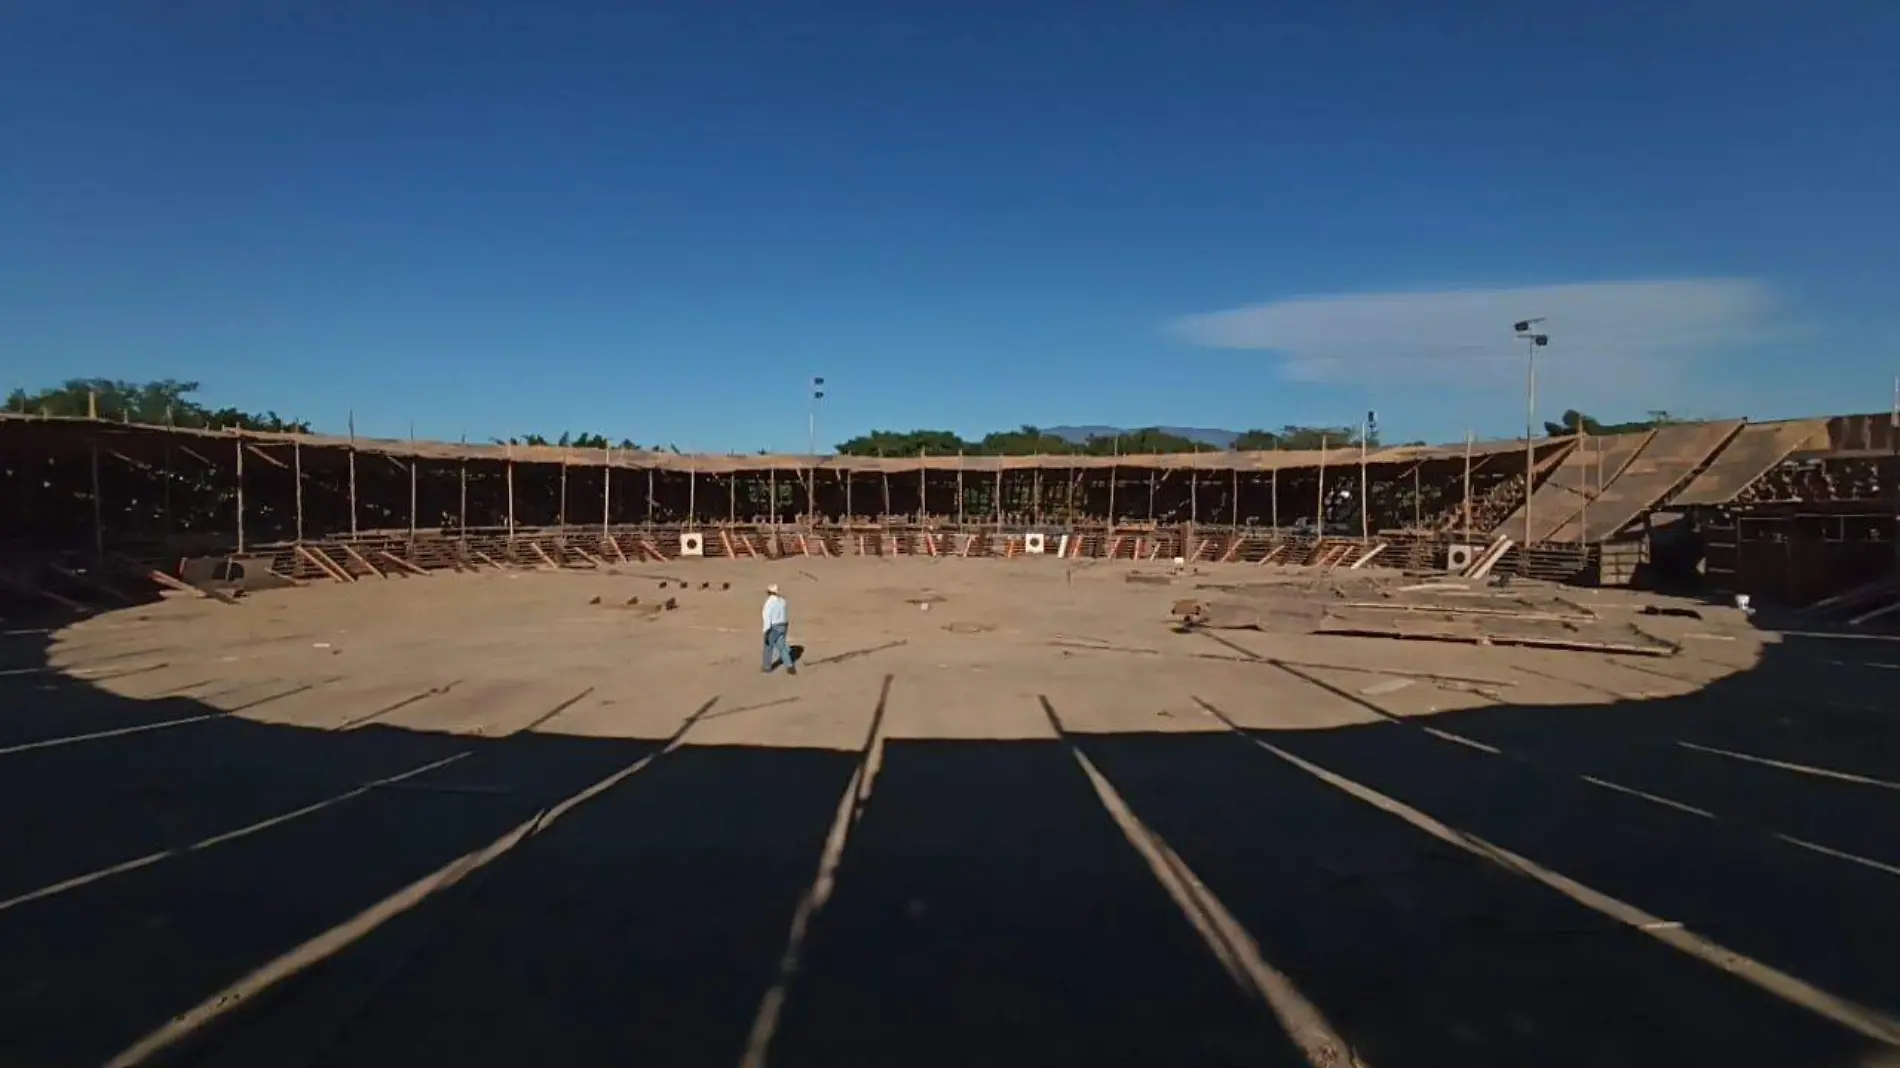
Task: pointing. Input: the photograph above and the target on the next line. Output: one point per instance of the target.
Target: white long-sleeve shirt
(774, 613)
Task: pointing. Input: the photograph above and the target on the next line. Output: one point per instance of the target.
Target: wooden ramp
(1672, 456)
(1753, 452)
(1560, 497)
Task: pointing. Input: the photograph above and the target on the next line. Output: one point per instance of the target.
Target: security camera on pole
(1533, 341)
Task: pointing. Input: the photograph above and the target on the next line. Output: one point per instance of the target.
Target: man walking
(776, 624)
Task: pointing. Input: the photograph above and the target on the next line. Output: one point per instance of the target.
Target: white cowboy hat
(773, 588)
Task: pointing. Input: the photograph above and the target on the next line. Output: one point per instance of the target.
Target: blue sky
(657, 221)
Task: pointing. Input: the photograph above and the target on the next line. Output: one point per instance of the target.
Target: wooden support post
(509, 475)
(560, 513)
(1274, 489)
(1233, 503)
(885, 473)
(848, 513)
(1194, 496)
(1365, 501)
(606, 490)
(1584, 537)
(960, 488)
(998, 509)
(1320, 519)
(772, 485)
(98, 506)
(413, 461)
(1035, 495)
(692, 498)
(732, 499)
(461, 508)
(165, 499)
(240, 492)
(1113, 472)
(923, 485)
(1417, 505)
(352, 474)
(1467, 486)
(649, 517)
(296, 474)
(1151, 495)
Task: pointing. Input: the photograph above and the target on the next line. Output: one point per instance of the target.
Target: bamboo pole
(1417, 505)
(774, 486)
(1151, 496)
(849, 515)
(923, 486)
(732, 499)
(1233, 503)
(1467, 486)
(997, 507)
(296, 473)
(606, 490)
(1113, 471)
(240, 490)
(1035, 493)
(692, 499)
(649, 516)
(509, 474)
(1194, 496)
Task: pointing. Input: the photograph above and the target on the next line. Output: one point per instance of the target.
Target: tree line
(1034, 441)
(170, 402)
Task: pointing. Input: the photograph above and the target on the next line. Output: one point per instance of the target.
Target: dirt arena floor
(1005, 814)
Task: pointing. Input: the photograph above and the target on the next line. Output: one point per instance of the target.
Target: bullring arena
(343, 752)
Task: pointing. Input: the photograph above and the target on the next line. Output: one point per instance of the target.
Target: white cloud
(1610, 342)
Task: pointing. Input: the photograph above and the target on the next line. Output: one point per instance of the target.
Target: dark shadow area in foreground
(987, 909)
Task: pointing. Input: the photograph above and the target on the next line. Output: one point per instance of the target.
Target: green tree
(905, 443)
(1302, 437)
(1140, 442)
(166, 402)
(1025, 441)
(1576, 422)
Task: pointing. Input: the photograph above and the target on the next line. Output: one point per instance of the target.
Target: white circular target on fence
(692, 545)
(1457, 557)
(1033, 544)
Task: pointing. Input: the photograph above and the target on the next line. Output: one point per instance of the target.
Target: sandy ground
(479, 819)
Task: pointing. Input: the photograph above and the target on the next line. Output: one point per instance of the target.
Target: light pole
(1533, 342)
(811, 450)
(811, 419)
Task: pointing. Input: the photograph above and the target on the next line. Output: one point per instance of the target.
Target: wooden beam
(296, 464)
(350, 551)
(322, 562)
(267, 457)
(615, 546)
(543, 554)
(240, 495)
(401, 563)
(98, 506)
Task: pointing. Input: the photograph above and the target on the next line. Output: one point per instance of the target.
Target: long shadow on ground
(986, 908)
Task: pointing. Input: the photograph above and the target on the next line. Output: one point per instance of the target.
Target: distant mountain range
(1219, 439)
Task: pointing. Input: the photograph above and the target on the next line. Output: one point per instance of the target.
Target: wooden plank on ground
(615, 546)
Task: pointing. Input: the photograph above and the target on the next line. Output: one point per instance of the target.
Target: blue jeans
(776, 649)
